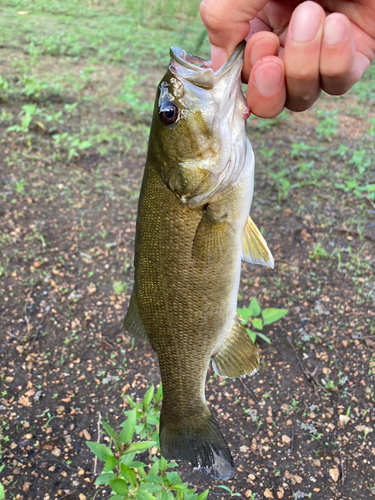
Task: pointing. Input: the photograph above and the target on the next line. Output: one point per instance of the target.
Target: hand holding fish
(294, 49)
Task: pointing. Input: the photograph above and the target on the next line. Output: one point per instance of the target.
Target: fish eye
(168, 113)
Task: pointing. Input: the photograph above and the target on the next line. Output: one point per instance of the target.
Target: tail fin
(203, 445)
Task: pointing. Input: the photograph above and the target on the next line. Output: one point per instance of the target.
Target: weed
(27, 114)
(300, 149)
(226, 488)
(120, 287)
(253, 311)
(328, 124)
(362, 160)
(319, 252)
(129, 478)
(72, 143)
(132, 96)
(2, 490)
(281, 183)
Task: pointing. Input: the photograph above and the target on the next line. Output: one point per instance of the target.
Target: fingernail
(334, 30)
(306, 22)
(218, 56)
(267, 78)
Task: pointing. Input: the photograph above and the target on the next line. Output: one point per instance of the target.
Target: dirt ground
(302, 427)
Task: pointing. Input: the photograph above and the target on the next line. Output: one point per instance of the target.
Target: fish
(193, 228)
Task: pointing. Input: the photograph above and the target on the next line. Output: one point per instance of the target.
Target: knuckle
(211, 16)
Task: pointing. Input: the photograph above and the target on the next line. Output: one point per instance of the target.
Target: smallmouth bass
(193, 228)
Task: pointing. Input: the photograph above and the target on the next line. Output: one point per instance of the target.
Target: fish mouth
(198, 70)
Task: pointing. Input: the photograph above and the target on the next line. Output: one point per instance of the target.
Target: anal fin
(133, 323)
(255, 248)
(238, 355)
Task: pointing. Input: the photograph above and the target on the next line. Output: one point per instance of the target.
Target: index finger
(227, 24)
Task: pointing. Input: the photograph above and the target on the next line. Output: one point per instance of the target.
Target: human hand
(294, 48)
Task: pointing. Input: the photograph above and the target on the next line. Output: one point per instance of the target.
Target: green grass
(128, 32)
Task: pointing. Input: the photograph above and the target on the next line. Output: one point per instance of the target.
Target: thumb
(227, 24)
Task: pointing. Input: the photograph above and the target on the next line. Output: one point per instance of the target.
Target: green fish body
(192, 230)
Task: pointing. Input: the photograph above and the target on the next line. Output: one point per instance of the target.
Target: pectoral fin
(211, 237)
(133, 323)
(238, 355)
(255, 248)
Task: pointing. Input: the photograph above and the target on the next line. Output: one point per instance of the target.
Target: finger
(340, 65)
(258, 46)
(302, 55)
(227, 24)
(266, 91)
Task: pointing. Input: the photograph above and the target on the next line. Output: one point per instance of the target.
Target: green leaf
(118, 497)
(163, 465)
(263, 337)
(203, 495)
(253, 335)
(139, 446)
(141, 473)
(119, 486)
(159, 394)
(178, 487)
(2, 492)
(167, 495)
(245, 314)
(100, 450)
(110, 464)
(254, 307)
(128, 427)
(85, 144)
(152, 419)
(154, 469)
(104, 478)
(173, 477)
(134, 464)
(128, 474)
(139, 428)
(126, 459)
(113, 434)
(151, 478)
(257, 323)
(143, 495)
(152, 488)
(147, 399)
(130, 401)
(272, 314)
(224, 488)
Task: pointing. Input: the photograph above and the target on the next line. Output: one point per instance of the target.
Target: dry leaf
(285, 439)
(334, 473)
(306, 236)
(343, 419)
(24, 401)
(280, 492)
(86, 435)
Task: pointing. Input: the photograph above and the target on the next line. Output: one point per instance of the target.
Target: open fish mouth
(198, 70)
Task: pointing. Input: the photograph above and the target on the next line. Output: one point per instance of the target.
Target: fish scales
(192, 214)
